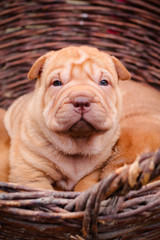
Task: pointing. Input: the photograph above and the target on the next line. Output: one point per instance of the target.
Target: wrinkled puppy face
(80, 97)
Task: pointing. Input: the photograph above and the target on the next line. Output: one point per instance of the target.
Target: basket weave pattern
(114, 208)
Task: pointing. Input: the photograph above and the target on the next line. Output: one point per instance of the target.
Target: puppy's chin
(81, 129)
(92, 144)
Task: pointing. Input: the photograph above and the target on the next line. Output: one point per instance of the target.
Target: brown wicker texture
(128, 29)
(109, 210)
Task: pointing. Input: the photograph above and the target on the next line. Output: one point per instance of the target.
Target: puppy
(4, 149)
(67, 127)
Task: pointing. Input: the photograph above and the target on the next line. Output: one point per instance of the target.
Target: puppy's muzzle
(81, 101)
(81, 104)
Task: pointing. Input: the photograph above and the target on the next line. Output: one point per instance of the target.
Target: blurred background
(127, 29)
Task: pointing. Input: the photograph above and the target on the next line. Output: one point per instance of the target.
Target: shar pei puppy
(71, 130)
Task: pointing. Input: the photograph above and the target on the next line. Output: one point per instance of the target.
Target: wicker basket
(114, 208)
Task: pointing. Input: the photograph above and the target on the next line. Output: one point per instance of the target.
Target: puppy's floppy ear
(122, 72)
(38, 66)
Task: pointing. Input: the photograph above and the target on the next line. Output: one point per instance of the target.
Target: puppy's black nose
(81, 104)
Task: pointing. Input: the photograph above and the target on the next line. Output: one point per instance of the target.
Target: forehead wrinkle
(71, 54)
(79, 58)
(92, 69)
(88, 68)
(66, 61)
(80, 69)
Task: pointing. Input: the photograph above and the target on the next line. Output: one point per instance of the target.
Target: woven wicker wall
(127, 29)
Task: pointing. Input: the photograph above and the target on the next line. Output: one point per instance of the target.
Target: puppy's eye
(103, 83)
(57, 83)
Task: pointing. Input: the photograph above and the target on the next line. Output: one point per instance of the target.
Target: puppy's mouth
(81, 129)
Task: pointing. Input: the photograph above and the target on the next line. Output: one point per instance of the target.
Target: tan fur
(4, 149)
(51, 146)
